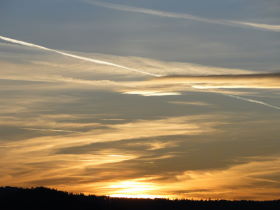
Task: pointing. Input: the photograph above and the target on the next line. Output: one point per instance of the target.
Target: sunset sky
(141, 98)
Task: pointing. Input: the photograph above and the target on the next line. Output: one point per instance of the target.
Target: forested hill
(41, 198)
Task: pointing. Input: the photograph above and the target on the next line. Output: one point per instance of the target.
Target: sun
(136, 196)
(134, 189)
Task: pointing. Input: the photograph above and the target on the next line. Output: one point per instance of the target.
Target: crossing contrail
(186, 16)
(7, 39)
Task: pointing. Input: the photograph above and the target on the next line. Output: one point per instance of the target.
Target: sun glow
(137, 196)
(134, 189)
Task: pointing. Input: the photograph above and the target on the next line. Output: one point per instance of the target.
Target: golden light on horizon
(137, 196)
(135, 189)
(172, 147)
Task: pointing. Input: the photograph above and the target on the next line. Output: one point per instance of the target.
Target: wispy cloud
(152, 93)
(258, 25)
(212, 83)
(192, 103)
(39, 157)
(161, 85)
(268, 80)
(241, 181)
(50, 130)
(7, 39)
(185, 16)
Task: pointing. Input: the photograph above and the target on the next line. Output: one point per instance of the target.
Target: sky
(158, 98)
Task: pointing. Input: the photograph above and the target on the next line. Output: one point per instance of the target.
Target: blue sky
(77, 26)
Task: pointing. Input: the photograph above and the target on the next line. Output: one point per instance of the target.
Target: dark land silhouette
(41, 198)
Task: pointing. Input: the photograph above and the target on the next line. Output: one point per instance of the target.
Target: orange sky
(141, 99)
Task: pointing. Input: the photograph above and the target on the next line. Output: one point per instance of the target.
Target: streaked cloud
(210, 83)
(35, 159)
(267, 80)
(185, 16)
(7, 39)
(152, 93)
(194, 103)
(50, 63)
(208, 78)
(243, 181)
(259, 25)
(72, 124)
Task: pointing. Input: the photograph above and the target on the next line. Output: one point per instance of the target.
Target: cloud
(51, 130)
(269, 81)
(251, 180)
(173, 85)
(7, 39)
(35, 161)
(51, 63)
(185, 16)
(208, 79)
(73, 135)
(98, 84)
(259, 25)
(162, 151)
(255, 81)
(152, 93)
(198, 166)
(192, 103)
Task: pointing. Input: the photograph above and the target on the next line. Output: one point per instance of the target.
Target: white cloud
(186, 16)
(92, 60)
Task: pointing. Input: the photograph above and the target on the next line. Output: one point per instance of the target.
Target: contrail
(186, 16)
(75, 56)
(115, 65)
(245, 99)
(253, 101)
(210, 82)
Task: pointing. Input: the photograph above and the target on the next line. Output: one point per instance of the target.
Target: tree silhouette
(41, 198)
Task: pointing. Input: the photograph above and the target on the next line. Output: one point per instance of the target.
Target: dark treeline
(41, 198)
